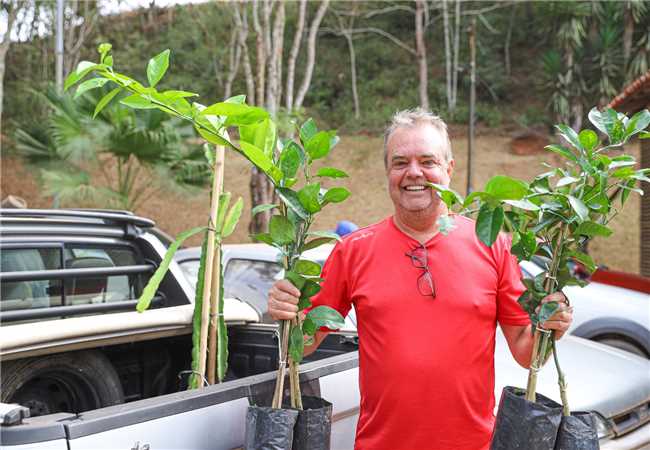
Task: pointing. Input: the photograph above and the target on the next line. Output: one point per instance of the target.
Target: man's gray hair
(412, 117)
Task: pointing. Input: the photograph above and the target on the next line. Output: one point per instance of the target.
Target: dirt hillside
(361, 157)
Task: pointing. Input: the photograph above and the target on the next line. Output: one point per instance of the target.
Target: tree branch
(311, 53)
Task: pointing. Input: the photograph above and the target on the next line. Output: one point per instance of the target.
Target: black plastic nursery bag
(269, 428)
(577, 432)
(526, 425)
(314, 425)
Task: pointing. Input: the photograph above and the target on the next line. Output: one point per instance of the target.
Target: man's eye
(429, 163)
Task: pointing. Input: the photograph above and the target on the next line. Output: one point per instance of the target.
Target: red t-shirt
(426, 366)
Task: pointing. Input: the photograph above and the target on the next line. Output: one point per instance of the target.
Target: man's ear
(450, 167)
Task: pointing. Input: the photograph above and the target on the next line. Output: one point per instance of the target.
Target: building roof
(634, 97)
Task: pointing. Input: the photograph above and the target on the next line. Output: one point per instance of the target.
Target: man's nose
(414, 169)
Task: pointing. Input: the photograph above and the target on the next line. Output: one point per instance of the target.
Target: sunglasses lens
(426, 286)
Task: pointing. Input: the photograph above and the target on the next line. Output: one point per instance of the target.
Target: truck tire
(68, 382)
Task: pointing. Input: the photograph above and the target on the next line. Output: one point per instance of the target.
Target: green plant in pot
(289, 229)
(553, 217)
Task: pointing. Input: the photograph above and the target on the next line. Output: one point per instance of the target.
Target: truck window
(250, 281)
(101, 289)
(30, 294)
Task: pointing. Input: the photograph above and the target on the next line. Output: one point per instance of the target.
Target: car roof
(262, 252)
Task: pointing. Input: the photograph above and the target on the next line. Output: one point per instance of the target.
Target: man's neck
(420, 225)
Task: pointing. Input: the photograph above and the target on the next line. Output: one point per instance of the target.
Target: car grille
(632, 419)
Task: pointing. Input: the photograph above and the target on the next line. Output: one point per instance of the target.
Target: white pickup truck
(95, 374)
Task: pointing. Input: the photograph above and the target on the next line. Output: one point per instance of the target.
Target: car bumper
(639, 439)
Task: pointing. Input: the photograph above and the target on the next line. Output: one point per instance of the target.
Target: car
(612, 383)
(612, 315)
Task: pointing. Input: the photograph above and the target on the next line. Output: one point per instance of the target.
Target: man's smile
(415, 188)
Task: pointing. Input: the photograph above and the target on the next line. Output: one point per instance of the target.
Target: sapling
(289, 229)
(553, 216)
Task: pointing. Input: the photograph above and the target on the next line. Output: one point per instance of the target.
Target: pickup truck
(88, 371)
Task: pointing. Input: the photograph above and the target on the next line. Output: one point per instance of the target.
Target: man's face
(416, 155)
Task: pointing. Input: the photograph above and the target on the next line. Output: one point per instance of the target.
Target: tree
(420, 12)
(264, 85)
(119, 144)
(10, 10)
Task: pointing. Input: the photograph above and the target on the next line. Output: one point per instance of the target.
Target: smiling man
(427, 305)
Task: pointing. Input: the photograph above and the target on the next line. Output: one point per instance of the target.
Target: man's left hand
(561, 320)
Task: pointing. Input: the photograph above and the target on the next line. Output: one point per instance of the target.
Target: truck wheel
(68, 382)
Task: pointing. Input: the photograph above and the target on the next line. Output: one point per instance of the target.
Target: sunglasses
(419, 259)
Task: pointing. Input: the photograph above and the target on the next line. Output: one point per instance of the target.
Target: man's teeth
(414, 188)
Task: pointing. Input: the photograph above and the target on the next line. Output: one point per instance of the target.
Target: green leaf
(565, 181)
(563, 151)
(448, 196)
(303, 302)
(506, 188)
(290, 198)
(261, 208)
(584, 259)
(264, 163)
(232, 218)
(588, 139)
(524, 204)
(137, 101)
(308, 268)
(331, 172)
(104, 48)
(310, 288)
(335, 195)
(592, 229)
(325, 234)
(598, 120)
(546, 311)
(87, 85)
(197, 315)
(308, 130)
(488, 223)
(570, 135)
(644, 135)
(262, 134)
(297, 280)
(215, 139)
(316, 243)
(296, 344)
(224, 203)
(157, 67)
(526, 247)
(264, 238)
(319, 145)
(105, 100)
(637, 123)
(324, 316)
(290, 159)
(309, 327)
(282, 230)
(308, 197)
(150, 289)
(579, 207)
(446, 224)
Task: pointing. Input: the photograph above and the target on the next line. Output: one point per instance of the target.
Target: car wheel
(622, 344)
(69, 382)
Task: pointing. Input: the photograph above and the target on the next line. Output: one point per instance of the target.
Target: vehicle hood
(599, 378)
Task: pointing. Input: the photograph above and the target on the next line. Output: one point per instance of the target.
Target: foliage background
(387, 75)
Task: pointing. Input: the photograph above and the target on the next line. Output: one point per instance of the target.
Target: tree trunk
(454, 87)
(506, 46)
(421, 53)
(78, 34)
(293, 55)
(628, 33)
(445, 21)
(275, 62)
(311, 54)
(645, 212)
(241, 22)
(234, 57)
(353, 74)
(261, 57)
(261, 193)
(5, 43)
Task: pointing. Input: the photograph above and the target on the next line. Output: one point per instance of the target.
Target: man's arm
(520, 338)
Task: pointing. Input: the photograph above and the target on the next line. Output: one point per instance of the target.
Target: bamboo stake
(207, 283)
(216, 274)
(285, 327)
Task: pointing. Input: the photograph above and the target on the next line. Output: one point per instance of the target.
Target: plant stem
(566, 411)
(540, 342)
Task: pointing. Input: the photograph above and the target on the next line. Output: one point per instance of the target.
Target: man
(427, 306)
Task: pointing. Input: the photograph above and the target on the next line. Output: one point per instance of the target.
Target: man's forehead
(398, 154)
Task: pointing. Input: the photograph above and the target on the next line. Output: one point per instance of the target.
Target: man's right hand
(283, 300)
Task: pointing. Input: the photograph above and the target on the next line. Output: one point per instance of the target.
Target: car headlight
(602, 426)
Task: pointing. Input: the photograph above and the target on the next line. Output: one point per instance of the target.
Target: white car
(613, 384)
